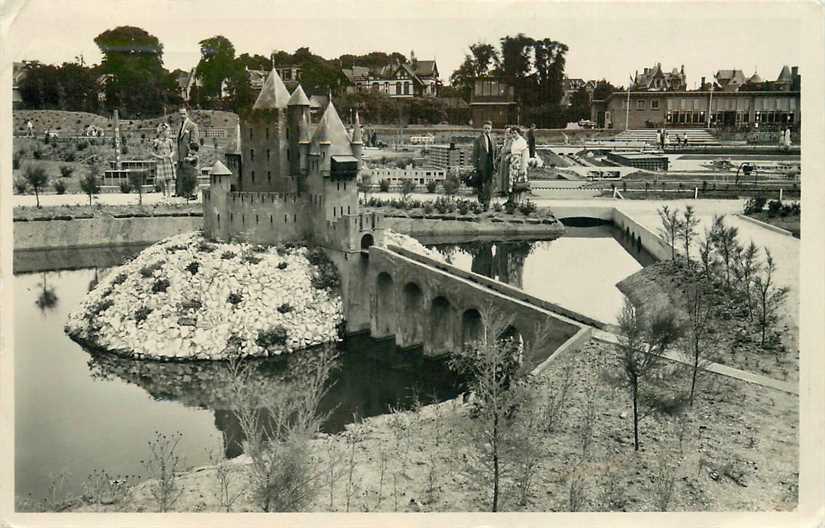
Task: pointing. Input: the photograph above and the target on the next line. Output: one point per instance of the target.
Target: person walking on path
(163, 152)
(483, 159)
(187, 154)
(531, 140)
(519, 157)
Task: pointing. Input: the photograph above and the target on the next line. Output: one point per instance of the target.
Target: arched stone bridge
(421, 301)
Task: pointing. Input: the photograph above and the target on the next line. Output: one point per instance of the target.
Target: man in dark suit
(531, 140)
(188, 143)
(483, 157)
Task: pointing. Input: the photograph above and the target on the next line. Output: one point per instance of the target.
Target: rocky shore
(189, 299)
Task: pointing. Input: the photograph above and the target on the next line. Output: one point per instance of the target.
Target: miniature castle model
(289, 183)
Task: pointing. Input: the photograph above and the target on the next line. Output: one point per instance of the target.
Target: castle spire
(274, 94)
(356, 131)
(298, 98)
(303, 130)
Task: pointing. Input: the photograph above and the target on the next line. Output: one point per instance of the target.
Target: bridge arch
(442, 326)
(472, 327)
(367, 241)
(385, 314)
(411, 318)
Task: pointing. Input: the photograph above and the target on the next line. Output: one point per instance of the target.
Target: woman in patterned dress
(501, 182)
(519, 157)
(164, 151)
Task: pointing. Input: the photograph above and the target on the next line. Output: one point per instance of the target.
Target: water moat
(99, 411)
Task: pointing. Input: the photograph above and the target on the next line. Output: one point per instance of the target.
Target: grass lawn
(791, 223)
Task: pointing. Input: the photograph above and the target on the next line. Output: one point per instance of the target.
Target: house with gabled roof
(416, 78)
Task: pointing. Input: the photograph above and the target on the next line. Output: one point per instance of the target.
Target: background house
(417, 78)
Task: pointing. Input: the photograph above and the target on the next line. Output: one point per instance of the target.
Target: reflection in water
(46, 298)
(579, 270)
(368, 377)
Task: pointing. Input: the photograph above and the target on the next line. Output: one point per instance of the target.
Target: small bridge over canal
(420, 301)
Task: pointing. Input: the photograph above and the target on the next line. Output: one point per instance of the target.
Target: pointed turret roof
(299, 98)
(331, 130)
(219, 169)
(356, 131)
(785, 75)
(274, 94)
(755, 78)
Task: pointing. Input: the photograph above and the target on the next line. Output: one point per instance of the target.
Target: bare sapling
(707, 257)
(664, 484)
(382, 470)
(162, 466)
(750, 269)
(588, 418)
(670, 228)
(699, 310)
(687, 230)
(641, 345)
(354, 436)
(577, 490)
(229, 484)
(769, 297)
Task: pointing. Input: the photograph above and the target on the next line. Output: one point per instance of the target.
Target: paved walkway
(103, 199)
(716, 368)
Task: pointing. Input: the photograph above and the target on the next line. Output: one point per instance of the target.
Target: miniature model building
(290, 182)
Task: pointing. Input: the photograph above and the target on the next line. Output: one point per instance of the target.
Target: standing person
(531, 140)
(29, 128)
(483, 159)
(164, 151)
(187, 151)
(519, 156)
(501, 179)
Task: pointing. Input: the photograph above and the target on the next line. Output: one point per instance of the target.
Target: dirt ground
(735, 339)
(739, 452)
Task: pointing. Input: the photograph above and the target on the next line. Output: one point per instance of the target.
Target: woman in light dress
(519, 186)
(164, 151)
(501, 184)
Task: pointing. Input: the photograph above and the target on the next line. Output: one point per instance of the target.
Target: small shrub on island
(149, 270)
(282, 265)
(206, 247)
(142, 313)
(191, 304)
(228, 255)
(285, 308)
(234, 298)
(192, 267)
(160, 286)
(120, 279)
(251, 259)
(527, 207)
(275, 336)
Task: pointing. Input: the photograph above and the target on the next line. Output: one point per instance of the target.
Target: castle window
(333, 212)
(268, 154)
(256, 219)
(295, 218)
(270, 219)
(286, 219)
(243, 219)
(267, 132)
(269, 176)
(231, 217)
(250, 132)
(253, 176)
(251, 154)
(348, 211)
(219, 218)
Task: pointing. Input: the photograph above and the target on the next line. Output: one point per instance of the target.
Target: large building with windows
(769, 106)
(493, 100)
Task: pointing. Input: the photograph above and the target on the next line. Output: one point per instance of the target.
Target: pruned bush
(100, 307)
(206, 247)
(527, 207)
(755, 205)
(326, 274)
(275, 336)
(251, 259)
(384, 185)
(59, 187)
(160, 285)
(193, 267)
(125, 188)
(510, 207)
(463, 207)
(142, 313)
(774, 207)
(285, 308)
(20, 185)
(119, 279)
(282, 265)
(228, 255)
(431, 186)
(190, 304)
(66, 171)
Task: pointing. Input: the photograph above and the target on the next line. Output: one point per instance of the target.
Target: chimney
(702, 86)
(795, 70)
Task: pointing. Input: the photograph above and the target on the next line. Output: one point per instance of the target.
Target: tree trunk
(496, 469)
(37, 197)
(635, 415)
(695, 371)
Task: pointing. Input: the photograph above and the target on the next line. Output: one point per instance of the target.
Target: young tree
(707, 256)
(769, 298)
(750, 267)
(725, 241)
(699, 311)
(492, 366)
(89, 183)
(688, 230)
(407, 187)
(641, 345)
(36, 176)
(670, 227)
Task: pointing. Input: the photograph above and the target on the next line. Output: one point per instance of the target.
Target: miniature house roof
(299, 98)
(274, 94)
(785, 74)
(219, 169)
(331, 130)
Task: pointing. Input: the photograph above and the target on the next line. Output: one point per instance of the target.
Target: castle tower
(216, 200)
(333, 168)
(297, 116)
(304, 141)
(264, 151)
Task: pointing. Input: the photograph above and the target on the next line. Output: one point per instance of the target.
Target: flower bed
(189, 299)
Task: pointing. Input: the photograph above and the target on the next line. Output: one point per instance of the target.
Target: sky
(607, 40)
